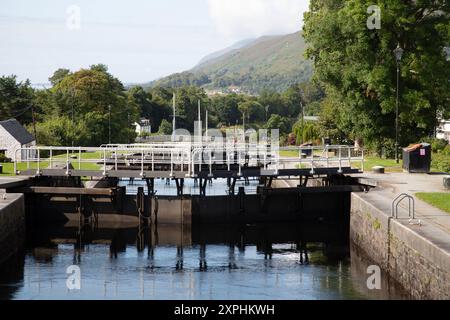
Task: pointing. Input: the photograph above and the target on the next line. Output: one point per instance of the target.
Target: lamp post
(267, 110)
(398, 52)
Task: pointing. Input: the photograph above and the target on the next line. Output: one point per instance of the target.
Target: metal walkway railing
(327, 156)
(178, 158)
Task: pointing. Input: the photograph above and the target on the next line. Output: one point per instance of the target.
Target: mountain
(269, 62)
(213, 56)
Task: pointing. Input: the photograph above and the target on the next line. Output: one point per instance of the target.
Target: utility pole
(206, 122)
(243, 124)
(199, 121)
(34, 123)
(73, 116)
(109, 109)
(302, 116)
(174, 114)
(398, 52)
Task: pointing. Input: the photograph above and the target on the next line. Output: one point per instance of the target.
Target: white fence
(187, 158)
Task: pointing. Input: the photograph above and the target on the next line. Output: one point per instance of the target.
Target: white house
(14, 136)
(143, 126)
(443, 131)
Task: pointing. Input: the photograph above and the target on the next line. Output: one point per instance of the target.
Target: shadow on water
(276, 261)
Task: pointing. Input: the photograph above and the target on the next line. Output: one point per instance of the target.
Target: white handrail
(192, 155)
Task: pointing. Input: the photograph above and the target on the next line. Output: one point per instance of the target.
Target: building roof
(16, 130)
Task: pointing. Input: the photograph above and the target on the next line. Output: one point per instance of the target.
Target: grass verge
(439, 200)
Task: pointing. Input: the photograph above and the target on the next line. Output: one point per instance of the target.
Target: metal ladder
(411, 206)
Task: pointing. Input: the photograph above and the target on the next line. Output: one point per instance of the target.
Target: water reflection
(167, 187)
(274, 261)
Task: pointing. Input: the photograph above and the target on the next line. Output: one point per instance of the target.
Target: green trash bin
(1, 168)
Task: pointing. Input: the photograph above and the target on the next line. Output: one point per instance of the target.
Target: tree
(165, 127)
(60, 131)
(89, 96)
(15, 99)
(357, 65)
(58, 76)
(278, 122)
(153, 105)
(275, 102)
(225, 107)
(187, 105)
(309, 132)
(253, 110)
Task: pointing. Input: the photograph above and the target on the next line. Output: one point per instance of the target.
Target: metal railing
(411, 206)
(186, 158)
(148, 157)
(339, 156)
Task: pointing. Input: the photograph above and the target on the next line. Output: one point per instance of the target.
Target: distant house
(143, 126)
(311, 118)
(443, 131)
(14, 136)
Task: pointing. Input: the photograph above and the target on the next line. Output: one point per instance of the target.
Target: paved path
(435, 223)
(390, 185)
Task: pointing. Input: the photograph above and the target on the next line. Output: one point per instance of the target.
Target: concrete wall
(12, 225)
(420, 266)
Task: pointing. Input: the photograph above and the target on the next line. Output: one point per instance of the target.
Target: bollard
(447, 182)
(378, 169)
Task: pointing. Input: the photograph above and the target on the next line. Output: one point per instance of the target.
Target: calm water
(165, 187)
(172, 262)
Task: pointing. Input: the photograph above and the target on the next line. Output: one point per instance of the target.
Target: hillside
(271, 62)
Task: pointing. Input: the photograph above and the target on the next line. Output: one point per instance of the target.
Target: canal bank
(12, 225)
(416, 253)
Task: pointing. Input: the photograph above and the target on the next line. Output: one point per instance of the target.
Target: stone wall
(12, 225)
(420, 266)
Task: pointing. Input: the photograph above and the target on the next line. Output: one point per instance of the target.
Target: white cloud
(251, 18)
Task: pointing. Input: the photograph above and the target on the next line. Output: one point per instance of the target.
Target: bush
(437, 145)
(446, 151)
(441, 161)
(310, 132)
(165, 127)
(4, 159)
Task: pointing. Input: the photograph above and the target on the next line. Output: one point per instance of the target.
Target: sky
(139, 40)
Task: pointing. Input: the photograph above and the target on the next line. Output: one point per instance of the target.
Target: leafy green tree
(61, 131)
(187, 106)
(15, 99)
(153, 105)
(226, 108)
(165, 127)
(309, 132)
(278, 122)
(253, 110)
(95, 97)
(357, 65)
(58, 76)
(275, 102)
